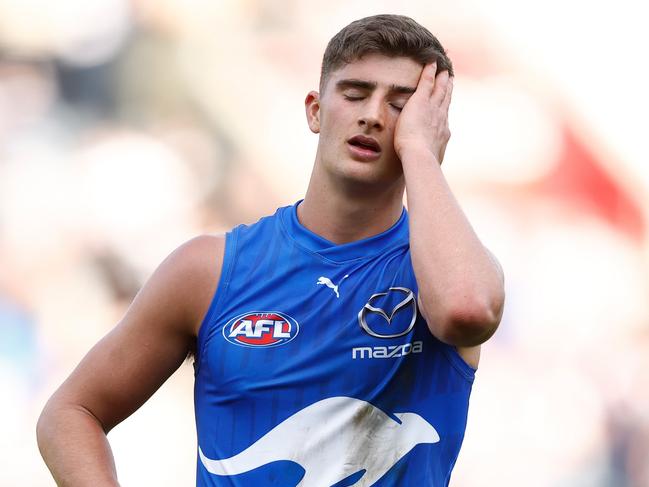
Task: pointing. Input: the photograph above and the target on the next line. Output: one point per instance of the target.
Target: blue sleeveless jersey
(314, 366)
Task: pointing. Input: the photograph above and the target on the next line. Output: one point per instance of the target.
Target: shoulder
(195, 260)
(153, 337)
(198, 251)
(190, 275)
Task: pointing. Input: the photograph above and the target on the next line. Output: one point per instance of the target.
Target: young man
(336, 340)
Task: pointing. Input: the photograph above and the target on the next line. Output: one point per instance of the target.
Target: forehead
(380, 69)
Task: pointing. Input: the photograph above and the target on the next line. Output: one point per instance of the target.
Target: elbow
(49, 426)
(44, 430)
(469, 324)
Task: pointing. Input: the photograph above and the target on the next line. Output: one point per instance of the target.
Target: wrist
(417, 153)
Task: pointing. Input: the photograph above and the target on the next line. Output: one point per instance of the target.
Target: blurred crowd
(127, 127)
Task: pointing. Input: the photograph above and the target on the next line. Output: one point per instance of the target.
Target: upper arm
(153, 338)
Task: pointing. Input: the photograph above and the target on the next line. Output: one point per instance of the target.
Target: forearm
(75, 448)
(460, 285)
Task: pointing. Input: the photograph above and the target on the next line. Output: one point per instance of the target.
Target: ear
(312, 108)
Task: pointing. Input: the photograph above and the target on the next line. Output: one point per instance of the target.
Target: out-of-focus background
(127, 127)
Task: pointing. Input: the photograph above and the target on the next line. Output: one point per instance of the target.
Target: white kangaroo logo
(328, 282)
(333, 439)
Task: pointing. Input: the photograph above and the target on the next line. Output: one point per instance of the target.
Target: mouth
(365, 143)
(364, 148)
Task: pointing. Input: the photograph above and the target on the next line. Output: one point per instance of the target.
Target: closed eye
(396, 107)
(353, 98)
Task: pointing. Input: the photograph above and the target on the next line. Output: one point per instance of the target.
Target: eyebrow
(371, 85)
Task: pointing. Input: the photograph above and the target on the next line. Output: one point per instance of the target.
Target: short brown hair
(390, 35)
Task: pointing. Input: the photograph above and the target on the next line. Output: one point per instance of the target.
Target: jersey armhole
(458, 363)
(229, 254)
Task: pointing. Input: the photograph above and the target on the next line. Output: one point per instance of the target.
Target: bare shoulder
(198, 252)
(194, 270)
(151, 340)
(181, 287)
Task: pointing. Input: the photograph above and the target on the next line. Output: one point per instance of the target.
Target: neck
(346, 212)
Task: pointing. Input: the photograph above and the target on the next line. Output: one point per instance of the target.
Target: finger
(441, 87)
(427, 78)
(446, 102)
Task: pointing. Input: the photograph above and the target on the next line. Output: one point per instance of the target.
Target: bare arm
(128, 365)
(461, 290)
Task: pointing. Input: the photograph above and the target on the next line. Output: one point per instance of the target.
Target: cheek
(329, 134)
(389, 131)
(332, 126)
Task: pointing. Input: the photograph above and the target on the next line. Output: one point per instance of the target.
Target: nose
(372, 116)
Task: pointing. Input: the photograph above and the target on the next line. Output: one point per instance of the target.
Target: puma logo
(329, 283)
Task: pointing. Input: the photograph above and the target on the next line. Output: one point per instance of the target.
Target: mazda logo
(408, 302)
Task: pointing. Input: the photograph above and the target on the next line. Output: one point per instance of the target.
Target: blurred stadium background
(127, 127)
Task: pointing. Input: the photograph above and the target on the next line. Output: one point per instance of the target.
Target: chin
(368, 174)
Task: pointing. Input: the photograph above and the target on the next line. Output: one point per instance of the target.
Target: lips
(365, 143)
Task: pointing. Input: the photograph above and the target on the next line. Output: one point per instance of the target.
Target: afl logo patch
(261, 329)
